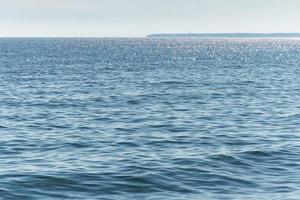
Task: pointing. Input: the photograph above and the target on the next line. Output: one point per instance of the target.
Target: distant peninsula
(224, 35)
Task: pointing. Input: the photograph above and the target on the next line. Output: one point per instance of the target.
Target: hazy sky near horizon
(132, 18)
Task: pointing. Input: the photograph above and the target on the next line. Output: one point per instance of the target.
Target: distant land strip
(223, 35)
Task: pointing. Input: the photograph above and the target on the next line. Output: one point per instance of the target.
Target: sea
(150, 118)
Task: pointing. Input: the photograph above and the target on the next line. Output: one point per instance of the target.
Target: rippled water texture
(149, 119)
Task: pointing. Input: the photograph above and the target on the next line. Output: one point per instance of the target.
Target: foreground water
(149, 119)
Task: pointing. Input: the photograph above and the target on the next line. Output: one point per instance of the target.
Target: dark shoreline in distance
(224, 35)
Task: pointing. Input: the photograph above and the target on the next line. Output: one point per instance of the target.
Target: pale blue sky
(129, 18)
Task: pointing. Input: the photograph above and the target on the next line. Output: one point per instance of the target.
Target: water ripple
(149, 119)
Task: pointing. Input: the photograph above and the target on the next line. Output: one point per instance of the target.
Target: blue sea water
(172, 119)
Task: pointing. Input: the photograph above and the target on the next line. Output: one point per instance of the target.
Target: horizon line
(189, 34)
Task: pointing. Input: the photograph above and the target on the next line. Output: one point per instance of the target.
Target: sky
(137, 18)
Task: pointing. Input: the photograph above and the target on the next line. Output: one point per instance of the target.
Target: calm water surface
(149, 119)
